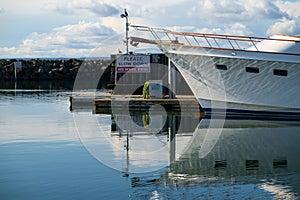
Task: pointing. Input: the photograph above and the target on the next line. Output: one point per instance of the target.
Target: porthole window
(220, 164)
(280, 163)
(252, 70)
(280, 72)
(252, 164)
(221, 67)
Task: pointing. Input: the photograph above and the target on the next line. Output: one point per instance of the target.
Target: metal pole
(125, 15)
(127, 29)
(15, 78)
(173, 74)
(15, 72)
(172, 138)
(171, 79)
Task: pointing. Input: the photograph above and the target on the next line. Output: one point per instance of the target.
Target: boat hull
(237, 85)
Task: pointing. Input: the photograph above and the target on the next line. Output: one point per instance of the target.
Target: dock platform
(135, 103)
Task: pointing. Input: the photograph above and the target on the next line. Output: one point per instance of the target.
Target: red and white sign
(133, 64)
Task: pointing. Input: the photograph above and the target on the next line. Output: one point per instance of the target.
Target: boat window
(280, 72)
(252, 164)
(221, 67)
(280, 163)
(220, 164)
(252, 70)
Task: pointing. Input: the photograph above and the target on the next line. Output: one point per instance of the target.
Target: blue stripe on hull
(252, 114)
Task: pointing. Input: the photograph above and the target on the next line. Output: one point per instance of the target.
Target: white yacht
(235, 74)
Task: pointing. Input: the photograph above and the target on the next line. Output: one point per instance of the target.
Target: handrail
(190, 38)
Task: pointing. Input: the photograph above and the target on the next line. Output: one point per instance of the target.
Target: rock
(37, 69)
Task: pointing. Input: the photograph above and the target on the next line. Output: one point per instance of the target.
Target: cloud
(291, 8)
(2, 10)
(237, 29)
(94, 7)
(69, 41)
(285, 26)
(263, 9)
(237, 17)
(291, 23)
(230, 29)
(238, 10)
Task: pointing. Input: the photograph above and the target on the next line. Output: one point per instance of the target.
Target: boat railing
(214, 41)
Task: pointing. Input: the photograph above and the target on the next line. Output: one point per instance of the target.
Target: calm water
(49, 152)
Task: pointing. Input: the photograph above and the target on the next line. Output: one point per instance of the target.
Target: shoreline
(25, 71)
(48, 69)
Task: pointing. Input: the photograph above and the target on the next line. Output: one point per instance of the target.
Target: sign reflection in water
(149, 137)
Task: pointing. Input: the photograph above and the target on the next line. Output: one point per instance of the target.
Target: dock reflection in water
(144, 139)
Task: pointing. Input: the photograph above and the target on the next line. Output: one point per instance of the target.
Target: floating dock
(105, 103)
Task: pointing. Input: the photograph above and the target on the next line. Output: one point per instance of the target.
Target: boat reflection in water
(159, 151)
(244, 147)
(262, 153)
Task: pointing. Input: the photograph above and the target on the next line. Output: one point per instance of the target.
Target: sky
(64, 28)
